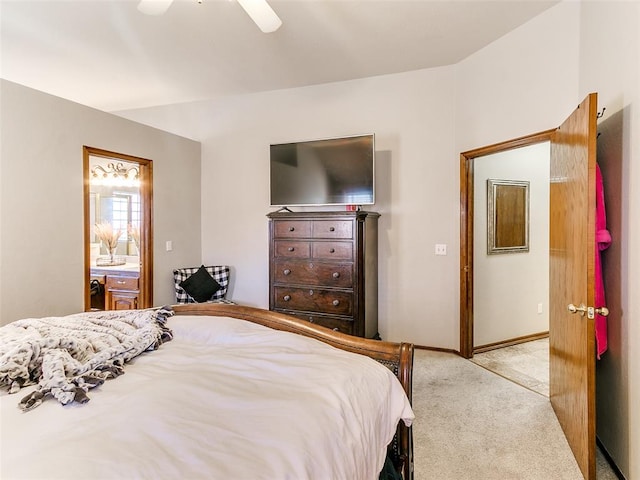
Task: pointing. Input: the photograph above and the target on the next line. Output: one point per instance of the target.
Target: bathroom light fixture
(115, 174)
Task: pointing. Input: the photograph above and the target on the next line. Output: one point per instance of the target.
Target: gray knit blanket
(67, 356)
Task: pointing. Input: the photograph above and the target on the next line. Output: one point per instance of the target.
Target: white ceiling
(108, 55)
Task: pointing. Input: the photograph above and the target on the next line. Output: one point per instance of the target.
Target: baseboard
(610, 460)
(512, 341)
(436, 349)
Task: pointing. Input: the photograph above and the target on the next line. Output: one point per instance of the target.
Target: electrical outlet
(441, 249)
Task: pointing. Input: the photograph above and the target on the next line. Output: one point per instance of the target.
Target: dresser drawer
(337, 324)
(292, 228)
(118, 282)
(292, 249)
(332, 229)
(332, 250)
(313, 300)
(309, 273)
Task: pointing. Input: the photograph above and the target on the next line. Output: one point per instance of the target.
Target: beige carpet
(473, 424)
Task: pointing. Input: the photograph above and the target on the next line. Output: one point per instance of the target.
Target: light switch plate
(441, 249)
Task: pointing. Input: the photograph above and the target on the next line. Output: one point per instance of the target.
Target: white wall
(41, 195)
(609, 65)
(523, 83)
(416, 182)
(508, 287)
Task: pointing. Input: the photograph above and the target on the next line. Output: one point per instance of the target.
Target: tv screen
(337, 171)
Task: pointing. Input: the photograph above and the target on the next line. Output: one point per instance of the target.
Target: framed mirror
(507, 216)
(117, 207)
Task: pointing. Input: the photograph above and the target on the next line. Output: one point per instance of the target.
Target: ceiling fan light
(262, 14)
(154, 7)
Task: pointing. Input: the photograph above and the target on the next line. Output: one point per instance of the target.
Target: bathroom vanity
(120, 287)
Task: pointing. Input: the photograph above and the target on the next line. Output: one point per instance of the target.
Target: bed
(237, 393)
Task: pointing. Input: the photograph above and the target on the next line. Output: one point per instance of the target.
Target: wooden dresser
(323, 267)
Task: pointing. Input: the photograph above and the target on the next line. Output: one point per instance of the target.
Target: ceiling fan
(259, 11)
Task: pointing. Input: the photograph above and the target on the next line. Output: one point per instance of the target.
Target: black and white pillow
(200, 284)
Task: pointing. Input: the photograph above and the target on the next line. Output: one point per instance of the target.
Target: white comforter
(226, 399)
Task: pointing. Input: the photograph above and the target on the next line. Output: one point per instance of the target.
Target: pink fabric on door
(603, 240)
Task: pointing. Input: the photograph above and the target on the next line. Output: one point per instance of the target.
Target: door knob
(582, 309)
(590, 311)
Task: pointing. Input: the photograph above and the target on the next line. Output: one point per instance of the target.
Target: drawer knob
(336, 303)
(286, 271)
(332, 250)
(120, 282)
(291, 249)
(311, 320)
(332, 229)
(291, 229)
(286, 298)
(311, 292)
(336, 274)
(336, 329)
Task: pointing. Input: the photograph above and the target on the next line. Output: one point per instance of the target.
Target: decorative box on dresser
(323, 267)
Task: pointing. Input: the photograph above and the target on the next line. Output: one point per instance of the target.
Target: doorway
(468, 220)
(572, 250)
(118, 231)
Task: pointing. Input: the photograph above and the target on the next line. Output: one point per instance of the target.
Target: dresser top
(361, 214)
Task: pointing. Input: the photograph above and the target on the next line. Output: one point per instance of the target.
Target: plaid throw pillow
(220, 274)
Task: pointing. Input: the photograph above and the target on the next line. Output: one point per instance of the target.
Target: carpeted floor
(473, 424)
(527, 364)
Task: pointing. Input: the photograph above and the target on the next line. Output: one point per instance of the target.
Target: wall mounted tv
(336, 171)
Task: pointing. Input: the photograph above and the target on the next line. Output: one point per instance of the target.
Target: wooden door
(571, 276)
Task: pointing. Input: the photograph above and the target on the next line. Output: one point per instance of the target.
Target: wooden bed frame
(398, 357)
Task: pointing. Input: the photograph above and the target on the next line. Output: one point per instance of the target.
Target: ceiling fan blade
(154, 7)
(261, 13)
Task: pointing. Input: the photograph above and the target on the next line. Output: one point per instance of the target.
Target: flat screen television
(335, 171)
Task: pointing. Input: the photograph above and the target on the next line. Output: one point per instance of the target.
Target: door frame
(467, 160)
(146, 228)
